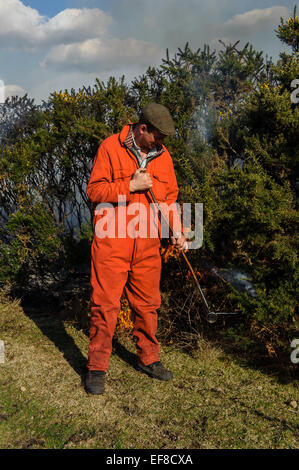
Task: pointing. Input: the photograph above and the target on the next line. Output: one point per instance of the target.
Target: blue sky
(55, 45)
(49, 8)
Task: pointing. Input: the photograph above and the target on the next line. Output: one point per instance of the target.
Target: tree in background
(45, 164)
(255, 219)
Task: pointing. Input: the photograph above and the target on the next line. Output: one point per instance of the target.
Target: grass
(216, 400)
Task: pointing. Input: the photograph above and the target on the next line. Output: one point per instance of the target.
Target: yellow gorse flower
(125, 316)
(67, 98)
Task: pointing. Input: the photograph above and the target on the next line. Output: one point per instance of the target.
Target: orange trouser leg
(143, 293)
(109, 273)
(135, 264)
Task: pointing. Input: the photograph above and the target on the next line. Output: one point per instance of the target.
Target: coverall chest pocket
(122, 173)
(160, 184)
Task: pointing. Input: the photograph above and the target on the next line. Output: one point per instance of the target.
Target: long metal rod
(184, 254)
(210, 316)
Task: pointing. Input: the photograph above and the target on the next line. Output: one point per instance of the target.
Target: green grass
(216, 400)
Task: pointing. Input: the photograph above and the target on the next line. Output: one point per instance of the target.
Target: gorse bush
(235, 150)
(33, 246)
(256, 220)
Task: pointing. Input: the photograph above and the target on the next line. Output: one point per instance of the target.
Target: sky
(53, 45)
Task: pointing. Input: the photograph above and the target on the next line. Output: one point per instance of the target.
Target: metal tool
(211, 317)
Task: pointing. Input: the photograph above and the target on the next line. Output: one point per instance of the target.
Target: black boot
(156, 370)
(95, 382)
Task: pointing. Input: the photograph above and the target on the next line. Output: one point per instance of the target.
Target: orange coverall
(123, 263)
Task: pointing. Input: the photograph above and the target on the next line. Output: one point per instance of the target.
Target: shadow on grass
(44, 312)
(124, 354)
(255, 355)
(279, 367)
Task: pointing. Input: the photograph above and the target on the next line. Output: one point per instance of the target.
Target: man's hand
(141, 181)
(180, 242)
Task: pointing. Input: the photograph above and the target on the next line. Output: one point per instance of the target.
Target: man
(126, 167)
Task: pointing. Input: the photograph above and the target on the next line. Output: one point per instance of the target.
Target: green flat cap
(159, 117)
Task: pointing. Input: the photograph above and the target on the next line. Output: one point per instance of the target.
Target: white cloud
(18, 22)
(105, 54)
(254, 20)
(76, 39)
(73, 25)
(13, 90)
(23, 26)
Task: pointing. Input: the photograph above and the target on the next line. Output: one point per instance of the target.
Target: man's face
(149, 140)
